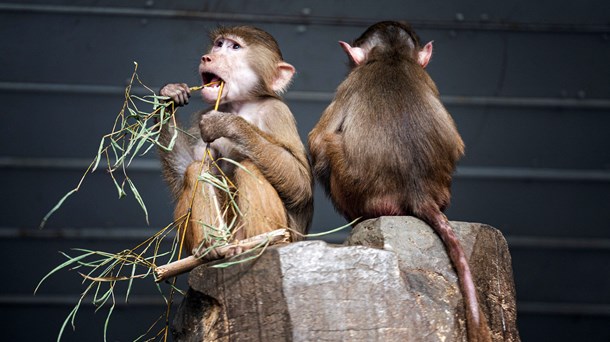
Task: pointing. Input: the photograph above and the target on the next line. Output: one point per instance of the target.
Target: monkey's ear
(424, 55)
(356, 54)
(285, 72)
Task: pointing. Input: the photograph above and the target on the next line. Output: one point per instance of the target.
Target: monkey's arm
(326, 131)
(280, 156)
(174, 161)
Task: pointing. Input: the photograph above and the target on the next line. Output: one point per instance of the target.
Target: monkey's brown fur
(253, 127)
(387, 146)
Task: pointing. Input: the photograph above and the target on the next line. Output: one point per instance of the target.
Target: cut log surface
(391, 281)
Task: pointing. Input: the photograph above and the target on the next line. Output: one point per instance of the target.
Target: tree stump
(391, 281)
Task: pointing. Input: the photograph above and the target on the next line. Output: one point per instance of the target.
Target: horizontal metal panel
(317, 96)
(568, 309)
(468, 172)
(126, 323)
(547, 139)
(517, 206)
(303, 15)
(140, 165)
(542, 327)
(99, 234)
(539, 137)
(34, 259)
(65, 126)
(32, 194)
(469, 63)
(534, 208)
(63, 300)
(562, 276)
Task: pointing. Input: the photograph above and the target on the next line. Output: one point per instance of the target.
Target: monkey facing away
(386, 146)
(252, 127)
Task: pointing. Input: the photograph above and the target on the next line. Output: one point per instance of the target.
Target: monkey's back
(400, 144)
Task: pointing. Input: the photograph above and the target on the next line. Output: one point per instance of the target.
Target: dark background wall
(527, 83)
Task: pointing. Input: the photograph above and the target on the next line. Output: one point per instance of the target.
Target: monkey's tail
(477, 327)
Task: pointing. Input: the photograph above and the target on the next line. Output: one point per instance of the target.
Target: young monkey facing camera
(253, 127)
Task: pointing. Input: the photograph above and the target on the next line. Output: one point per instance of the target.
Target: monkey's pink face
(227, 62)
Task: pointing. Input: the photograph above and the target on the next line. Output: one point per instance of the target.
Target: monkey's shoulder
(272, 116)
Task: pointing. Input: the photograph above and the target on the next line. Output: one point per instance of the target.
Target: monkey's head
(249, 62)
(388, 38)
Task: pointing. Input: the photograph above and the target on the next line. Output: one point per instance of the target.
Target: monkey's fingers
(177, 92)
(207, 254)
(182, 97)
(233, 251)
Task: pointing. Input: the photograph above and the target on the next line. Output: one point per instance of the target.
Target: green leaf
(57, 206)
(138, 197)
(333, 230)
(99, 155)
(63, 265)
(107, 322)
(133, 272)
(71, 316)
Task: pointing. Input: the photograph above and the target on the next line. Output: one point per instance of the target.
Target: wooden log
(391, 281)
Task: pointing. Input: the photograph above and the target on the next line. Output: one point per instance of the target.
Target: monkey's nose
(206, 58)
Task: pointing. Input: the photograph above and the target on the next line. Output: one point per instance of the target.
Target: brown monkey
(253, 127)
(387, 146)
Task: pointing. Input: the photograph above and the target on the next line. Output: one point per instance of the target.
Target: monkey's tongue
(209, 77)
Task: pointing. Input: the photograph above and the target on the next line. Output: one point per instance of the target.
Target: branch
(181, 266)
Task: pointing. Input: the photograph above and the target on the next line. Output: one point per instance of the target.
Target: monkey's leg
(476, 324)
(199, 198)
(261, 206)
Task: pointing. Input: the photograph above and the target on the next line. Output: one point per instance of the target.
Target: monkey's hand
(178, 92)
(215, 124)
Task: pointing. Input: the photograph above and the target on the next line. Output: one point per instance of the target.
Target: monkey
(253, 127)
(386, 145)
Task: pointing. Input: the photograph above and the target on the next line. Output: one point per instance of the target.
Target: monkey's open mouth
(209, 77)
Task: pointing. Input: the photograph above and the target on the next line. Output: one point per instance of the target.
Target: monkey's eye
(218, 43)
(236, 46)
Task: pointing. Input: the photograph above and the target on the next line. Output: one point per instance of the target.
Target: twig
(212, 191)
(184, 265)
